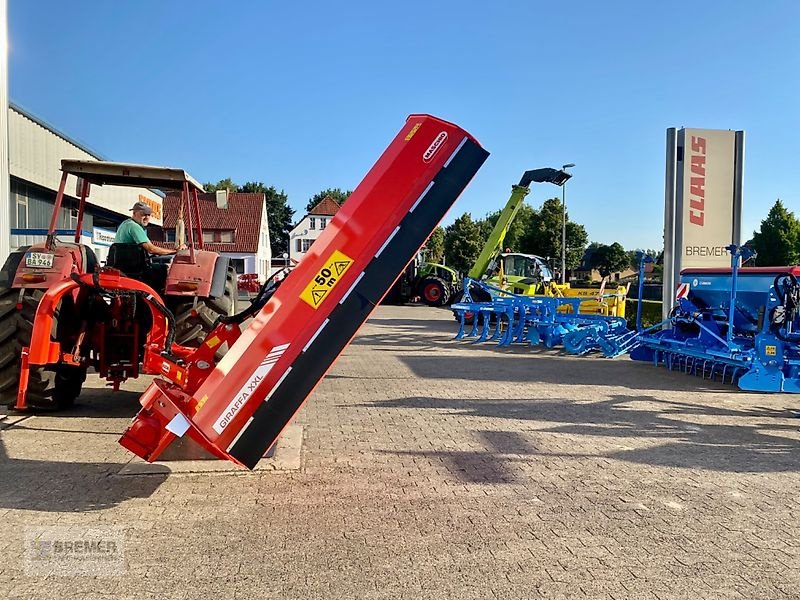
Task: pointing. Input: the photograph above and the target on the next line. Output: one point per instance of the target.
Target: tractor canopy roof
(113, 173)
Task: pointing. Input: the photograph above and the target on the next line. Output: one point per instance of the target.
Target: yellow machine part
(611, 304)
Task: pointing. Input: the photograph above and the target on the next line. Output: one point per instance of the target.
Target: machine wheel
(434, 291)
(192, 325)
(47, 389)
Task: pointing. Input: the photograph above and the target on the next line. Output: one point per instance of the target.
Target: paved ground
(434, 469)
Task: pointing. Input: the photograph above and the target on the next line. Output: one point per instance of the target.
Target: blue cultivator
(546, 320)
(739, 325)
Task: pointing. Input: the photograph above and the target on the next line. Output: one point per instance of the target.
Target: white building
(35, 153)
(234, 224)
(309, 228)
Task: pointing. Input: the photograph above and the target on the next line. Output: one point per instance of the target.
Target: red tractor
(102, 316)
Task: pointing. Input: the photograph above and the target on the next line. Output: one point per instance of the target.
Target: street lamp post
(564, 224)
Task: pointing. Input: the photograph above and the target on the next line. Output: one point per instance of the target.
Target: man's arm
(153, 249)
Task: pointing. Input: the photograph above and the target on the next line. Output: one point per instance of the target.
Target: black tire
(192, 325)
(433, 291)
(48, 389)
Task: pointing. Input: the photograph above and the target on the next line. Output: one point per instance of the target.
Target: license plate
(39, 260)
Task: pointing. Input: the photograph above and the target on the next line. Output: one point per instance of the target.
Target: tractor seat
(131, 259)
(89, 259)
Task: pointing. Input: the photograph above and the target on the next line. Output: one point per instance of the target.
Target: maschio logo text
(434, 147)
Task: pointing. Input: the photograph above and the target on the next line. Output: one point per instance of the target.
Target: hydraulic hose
(266, 291)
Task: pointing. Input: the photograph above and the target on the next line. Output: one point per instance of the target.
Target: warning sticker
(326, 278)
(771, 350)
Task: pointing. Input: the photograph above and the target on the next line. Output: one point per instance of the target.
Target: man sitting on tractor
(133, 231)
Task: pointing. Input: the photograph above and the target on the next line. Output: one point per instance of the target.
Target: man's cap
(141, 206)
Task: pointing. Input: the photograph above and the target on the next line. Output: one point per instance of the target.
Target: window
(208, 236)
(312, 223)
(307, 245)
(322, 223)
(298, 245)
(226, 236)
(22, 211)
(169, 235)
(238, 264)
(73, 218)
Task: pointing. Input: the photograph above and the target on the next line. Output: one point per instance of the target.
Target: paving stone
(428, 468)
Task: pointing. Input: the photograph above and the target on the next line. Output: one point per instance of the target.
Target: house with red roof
(234, 224)
(309, 228)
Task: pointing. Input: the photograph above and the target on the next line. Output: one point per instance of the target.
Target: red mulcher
(237, 407)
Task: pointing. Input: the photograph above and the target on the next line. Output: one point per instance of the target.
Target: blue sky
(306, 95)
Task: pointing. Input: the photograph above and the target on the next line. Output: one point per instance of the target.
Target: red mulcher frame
(237, 409)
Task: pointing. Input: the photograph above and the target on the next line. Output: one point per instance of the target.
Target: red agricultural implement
(236, 407)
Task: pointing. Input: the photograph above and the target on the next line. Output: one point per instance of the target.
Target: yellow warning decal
(200, 404)
(326, 279)
(413, 131)
(771, 350)
(213, 342)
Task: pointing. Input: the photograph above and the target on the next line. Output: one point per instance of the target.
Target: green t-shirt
(130, 232)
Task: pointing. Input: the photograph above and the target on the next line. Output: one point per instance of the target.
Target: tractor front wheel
(193, 324)
(51, 389)
(434, 291)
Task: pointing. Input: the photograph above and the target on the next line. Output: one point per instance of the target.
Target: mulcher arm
(237, 408)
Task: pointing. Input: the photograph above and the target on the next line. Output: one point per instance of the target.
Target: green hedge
(651, 312)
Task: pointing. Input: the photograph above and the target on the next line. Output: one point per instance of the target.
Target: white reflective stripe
(238, 435)
(178, 425)
(421, 196)
(313, 337)
(278, 384)
(241, 397)
(464, 141)
(352, 287)
(386, 243)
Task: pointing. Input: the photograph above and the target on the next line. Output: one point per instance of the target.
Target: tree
(543, 235)
(462, 243)
(226, 184)
(434, 247)
(279, 213)
(335, 193)
(516, 230)
(609, 259)
(635, 256)
(778, 240)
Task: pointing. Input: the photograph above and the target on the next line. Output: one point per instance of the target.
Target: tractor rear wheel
(51, 389)
(434, 291)
(193, 324)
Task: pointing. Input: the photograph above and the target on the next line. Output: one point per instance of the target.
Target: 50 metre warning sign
(326, 279)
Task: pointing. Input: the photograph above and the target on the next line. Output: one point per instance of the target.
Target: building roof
(243, 215)
(326, 207)
(53, 130)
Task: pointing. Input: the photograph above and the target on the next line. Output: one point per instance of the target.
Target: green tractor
(432, 283)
